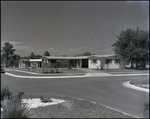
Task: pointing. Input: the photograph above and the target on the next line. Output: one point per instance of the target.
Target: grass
(121, 70)
(12, 106)
(140, 81)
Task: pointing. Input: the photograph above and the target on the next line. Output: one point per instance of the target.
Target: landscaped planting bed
(73, 108)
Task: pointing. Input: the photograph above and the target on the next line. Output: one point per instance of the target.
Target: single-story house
(112, 61)
(23, 63)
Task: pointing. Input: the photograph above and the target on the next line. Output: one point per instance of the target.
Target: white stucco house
(94, 61)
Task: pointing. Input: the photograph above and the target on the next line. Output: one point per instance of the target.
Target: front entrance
(84, 63)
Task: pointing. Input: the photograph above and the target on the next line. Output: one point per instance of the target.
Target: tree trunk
(136, 64)
(131, 65)
(144, 64)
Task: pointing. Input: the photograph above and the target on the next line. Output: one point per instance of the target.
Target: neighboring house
(23, 63)
(112, 61)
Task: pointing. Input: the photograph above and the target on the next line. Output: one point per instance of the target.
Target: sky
(69, 27)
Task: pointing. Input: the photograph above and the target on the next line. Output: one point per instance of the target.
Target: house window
(53, 61)
(108, 61)
(94, 61)
(75, 61)
(117, 61)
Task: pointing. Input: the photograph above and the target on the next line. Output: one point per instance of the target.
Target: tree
(133, 46)
(86, 54)
(7, 55)
(38, 56)
(16, 60)
(32, 55)
(46, 53)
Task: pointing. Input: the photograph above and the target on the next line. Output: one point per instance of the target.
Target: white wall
(94, 65)
(80, 63)
(21, 65)
(112, 65)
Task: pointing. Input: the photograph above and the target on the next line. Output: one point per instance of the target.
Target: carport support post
(80, 63)
(67, 63)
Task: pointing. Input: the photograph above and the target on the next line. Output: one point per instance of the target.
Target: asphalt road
(108, 91)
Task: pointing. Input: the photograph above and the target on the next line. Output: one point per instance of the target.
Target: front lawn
(122, 70)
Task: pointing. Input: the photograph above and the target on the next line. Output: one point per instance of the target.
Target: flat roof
(56, 57)
(104, 55)
(35, 60)
(77, 57)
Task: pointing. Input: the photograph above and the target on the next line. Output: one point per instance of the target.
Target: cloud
(51, 49)
(83, 47)
(79, 48)
(18, 45)
(27, 48)
(12, 42)
(72, 49)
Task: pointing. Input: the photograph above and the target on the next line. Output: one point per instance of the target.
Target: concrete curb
(68, 76)
(128, 85)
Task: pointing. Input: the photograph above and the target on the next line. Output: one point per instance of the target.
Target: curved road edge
(128, 85)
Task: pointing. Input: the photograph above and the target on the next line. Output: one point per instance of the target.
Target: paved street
(107, 91)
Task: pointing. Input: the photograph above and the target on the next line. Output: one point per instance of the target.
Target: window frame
(94, 61)
(109, 61)
(118, 61)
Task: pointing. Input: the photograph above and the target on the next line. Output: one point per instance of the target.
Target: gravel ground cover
(73, 108)
(144, 83)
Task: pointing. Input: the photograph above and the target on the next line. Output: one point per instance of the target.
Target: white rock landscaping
(34, 103)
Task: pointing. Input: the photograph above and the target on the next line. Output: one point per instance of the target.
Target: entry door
(84, 63)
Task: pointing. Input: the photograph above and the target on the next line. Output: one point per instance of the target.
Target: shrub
(102, 66)
(45, 71)
(45, 100)
(5, 93)
(12, 106)
(57, 71)
(52, 71)
(69, 66)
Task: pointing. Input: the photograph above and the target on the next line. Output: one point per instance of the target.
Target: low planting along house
(112, 61)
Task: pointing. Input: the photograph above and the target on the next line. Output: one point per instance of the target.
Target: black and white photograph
(75, 59)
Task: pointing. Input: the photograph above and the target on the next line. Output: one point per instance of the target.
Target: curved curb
(128, 85)
(18, 76)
